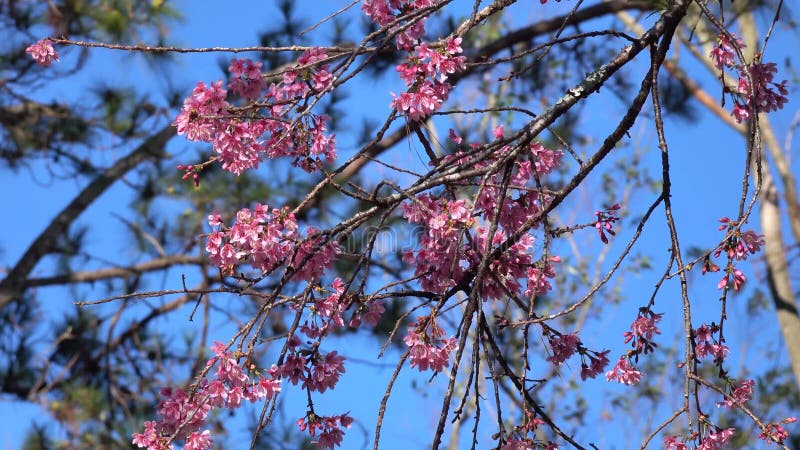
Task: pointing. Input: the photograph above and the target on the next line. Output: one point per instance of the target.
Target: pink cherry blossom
(765, 95)
(42, 52)
(246, 78)
(718, 351)
(329, 427)
(545, 159)
(672, 443)
(723, 54)
(325, 372)
(623, 372)
(597, 364)
(518, 444)
(563, 347)
(717, 440)
(703, 334)
(605, 222)
(645, 326)
(427, 349)
(202, 112)
(741, 394)
(198, 441)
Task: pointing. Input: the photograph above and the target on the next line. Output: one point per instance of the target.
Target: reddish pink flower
(703, 334)
(765, 95)
(718, 351)
(498, 132)
(723, 54)
(331, 307)
(716, 441)
(774, 432)
(671, 442)
(539, 280)
(453, 137)
(198, 441)
(605, 222)
(330, 428)
(563, 347)
(623, 372)
(741, 112)
(42, 52)
(325, 372)
(427, 349)
(545, 159)
(246, 78)
(313, 255)
(201, 115)
(741, 394)
(644, 327)
(151, 439)
(598, 363)
(518, 444)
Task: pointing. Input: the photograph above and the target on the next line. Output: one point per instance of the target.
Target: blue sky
(705, 154)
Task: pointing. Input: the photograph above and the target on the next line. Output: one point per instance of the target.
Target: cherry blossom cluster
(526, 198)
(563, 346)
(391, 14)
(741, 394)
(642, 331)
(332, 308)
(329, 428)
(605, 221)
(598, 361)
(241, 140)
(764, 95)
(425, 73)
(520, 439)
(527, 444)
(246, 80)
(539, 276)
(504, 272)
(774, 432)
(623, 372)
(267, 240)
(523, 200)
(738, 245)
(438, 263)
(716, 440)
(707, 345)
(182, 415)
(427, 347)
(314, 370)
(723, 55)
(640, 337)
(42, 52)
(452, 243)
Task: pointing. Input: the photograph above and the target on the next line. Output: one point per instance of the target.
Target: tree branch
(12, 287)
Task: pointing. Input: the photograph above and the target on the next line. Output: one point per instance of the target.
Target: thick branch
(12, 287)
(114, 272)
